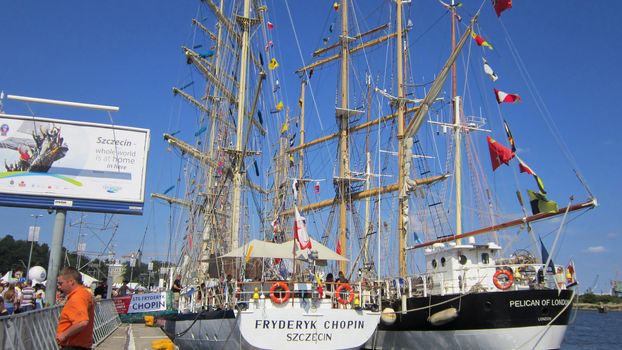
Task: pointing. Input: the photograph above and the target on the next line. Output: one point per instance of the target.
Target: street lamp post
(33, 236)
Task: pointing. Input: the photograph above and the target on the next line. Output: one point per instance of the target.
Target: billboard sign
(60, 164)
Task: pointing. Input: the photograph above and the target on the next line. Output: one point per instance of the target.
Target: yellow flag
(273, 64)
(279, 106)
(285, 127)
(248, 255)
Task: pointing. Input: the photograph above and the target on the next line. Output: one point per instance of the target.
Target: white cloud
(596, 249)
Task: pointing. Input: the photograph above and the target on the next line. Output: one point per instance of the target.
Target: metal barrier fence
(37, 329)
(106, 320)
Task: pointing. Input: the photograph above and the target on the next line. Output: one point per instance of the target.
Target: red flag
(498, 153)
(501, 5)
(317, 187)
(338, 250)
(524, 168)
(270, 25)
(480, 41)
(505, 97)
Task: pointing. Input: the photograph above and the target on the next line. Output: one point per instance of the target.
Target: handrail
(37, 329)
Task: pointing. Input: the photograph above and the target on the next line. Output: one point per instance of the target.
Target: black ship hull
(526, 319)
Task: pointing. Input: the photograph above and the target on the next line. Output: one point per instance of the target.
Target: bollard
(162, 344)
(149, 320)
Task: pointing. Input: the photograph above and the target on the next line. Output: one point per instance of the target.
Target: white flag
(489, 72)
(300, 231)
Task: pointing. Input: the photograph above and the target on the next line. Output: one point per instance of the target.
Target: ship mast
(344, 168)
(241, 102)
(457, 129)
(403, 197)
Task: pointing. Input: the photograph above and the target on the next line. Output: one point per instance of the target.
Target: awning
(260, 249)
(323, 252)
(263, 249)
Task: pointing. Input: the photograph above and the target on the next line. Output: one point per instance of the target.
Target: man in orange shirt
(75, 326)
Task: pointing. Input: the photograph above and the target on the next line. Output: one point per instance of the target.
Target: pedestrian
(39, 296)
(75, 326)
(10, 299)
(102, 289)
(123, 290)
(330, 285)
(342, 278)
(28, 298)
(176, 289)
(3, 310)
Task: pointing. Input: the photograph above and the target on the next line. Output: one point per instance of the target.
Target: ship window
(443, 261)
(462, 259)
(434, 264)
(485, 258)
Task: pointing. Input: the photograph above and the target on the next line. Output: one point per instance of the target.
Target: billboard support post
(56, 253)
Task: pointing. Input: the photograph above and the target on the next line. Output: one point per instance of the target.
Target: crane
(590, 290)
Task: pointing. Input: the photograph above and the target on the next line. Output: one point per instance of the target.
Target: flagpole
(526, 220)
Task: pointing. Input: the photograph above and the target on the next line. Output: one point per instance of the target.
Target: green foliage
(14, 255)
(140, 273)
(597, 299)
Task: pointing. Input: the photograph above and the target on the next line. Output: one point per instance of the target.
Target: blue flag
(545, 257)
(417, 239)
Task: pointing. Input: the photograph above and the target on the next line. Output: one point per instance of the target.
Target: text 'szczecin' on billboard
(60, 164)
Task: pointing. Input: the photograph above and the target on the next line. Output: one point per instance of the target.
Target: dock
(132, 336)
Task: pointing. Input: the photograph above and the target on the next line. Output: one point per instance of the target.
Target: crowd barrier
(37, 329)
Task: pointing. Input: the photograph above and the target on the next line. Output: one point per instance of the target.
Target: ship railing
(364, 295)
(473, 278)
(36, 329)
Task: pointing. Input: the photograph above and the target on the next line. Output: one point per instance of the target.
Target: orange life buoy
(348, 289)
(503, 285)
(283, 290)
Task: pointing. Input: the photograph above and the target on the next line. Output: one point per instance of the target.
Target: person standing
(28, 298)
(176, 289)
(10, 299)
(3, 310)
(102, 289)
(124, 290)
(75, 326)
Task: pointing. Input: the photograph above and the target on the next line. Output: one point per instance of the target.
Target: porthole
(434, 263)
(462, 259)
(443, 261)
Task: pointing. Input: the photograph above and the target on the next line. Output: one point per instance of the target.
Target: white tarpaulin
(263, 249)
(323, 252)
(87, 280)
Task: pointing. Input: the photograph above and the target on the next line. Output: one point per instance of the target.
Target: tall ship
(350, 204)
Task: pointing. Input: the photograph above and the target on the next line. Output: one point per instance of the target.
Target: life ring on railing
(348, 289)
(503, 285)
(283, 290)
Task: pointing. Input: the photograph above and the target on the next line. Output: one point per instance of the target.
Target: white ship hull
(305, 324)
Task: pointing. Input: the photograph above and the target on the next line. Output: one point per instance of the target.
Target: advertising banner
(72, 164)
(137, 303)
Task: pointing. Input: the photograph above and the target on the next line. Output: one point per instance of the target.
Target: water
(594, 331)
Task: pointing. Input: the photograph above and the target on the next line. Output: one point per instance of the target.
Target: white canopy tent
(323, 252)
(263, 249)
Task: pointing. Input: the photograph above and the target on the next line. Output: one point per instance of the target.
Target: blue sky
(128, 54)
